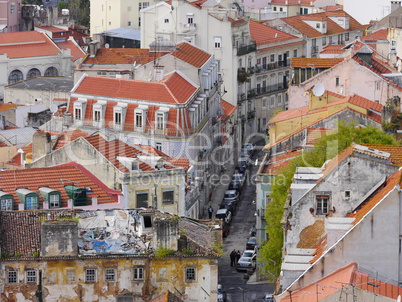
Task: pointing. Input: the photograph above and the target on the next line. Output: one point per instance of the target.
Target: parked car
(230, 205)
(245, 153)
(240, 178)
(251, 243)
(235, 186)
(250, 253)
(231, 195)
(224, 214)
(241, 169)
(245, 264)
(221, 294)
(243, 162)
(269, 298)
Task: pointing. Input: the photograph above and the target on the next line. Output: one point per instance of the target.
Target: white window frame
(160, 120)
(272, 101)
(138, 273)
(190, 274)
(91, 275)
(217, 42)
(190, 18)
(279, 100)
(158, 146)
(31, 276)
(110, 274)
(139, 120)
(166, 191)
(71, 276)
(7, 204)
(322, 204)
(54, 202)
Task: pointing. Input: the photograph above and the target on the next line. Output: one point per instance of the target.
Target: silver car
(245, 264)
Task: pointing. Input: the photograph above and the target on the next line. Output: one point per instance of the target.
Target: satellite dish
(107, 45)
(54, 108)
(319, 89)
(399, 299)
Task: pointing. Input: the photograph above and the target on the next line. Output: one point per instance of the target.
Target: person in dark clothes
(238, 256)
(233, 258)
(210, 211)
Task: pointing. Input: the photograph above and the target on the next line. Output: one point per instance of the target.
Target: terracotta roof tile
(395, 152)
(293, 2)
(381, 34)
(191, 54)
(52, 29)
(56, 177)
(332, 28)
(315, 62)
(7, 106)
(315, 134)
(76, 51)
(236, 22)
(279, 162)
(173, 89)
(27, 44)
(263, 34)
(227, 109)
(122, 56)
(333, 49)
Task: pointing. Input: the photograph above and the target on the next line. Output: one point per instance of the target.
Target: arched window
(34, 72)
(51, 72)
(15, 76)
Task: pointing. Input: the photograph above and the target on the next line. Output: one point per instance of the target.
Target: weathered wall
(159, 276)
(59, 238)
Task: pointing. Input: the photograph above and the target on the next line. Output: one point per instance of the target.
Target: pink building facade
(10, 15)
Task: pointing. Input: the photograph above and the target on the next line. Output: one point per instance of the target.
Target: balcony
(251, 115)
(241, 98)
(245, 49)
(272, 66)
(266, 89)
(242, 75)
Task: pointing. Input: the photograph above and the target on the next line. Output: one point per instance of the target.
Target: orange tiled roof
(27, 44)
(52, 29)
(395, 152)
(381, 34)
(315, 134)
(180, 162)
(56, 177)
(122, 56)
(227, 109)
(333, 49)
(237, 22)
(315, 62)
(263, 34)
(76, 51)
(293, 2)
(7, 106)
(191, 54)
(279, 162)
(173, 89)
(332, 28)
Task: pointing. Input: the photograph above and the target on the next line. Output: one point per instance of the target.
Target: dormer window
(135, 166)
(140, 117)
(6, 201)
(79, 110)
(29, 198)
(99, 113)
(317, 25)
(161, 118)
(119, 113)
(190, 18)
(52, 197)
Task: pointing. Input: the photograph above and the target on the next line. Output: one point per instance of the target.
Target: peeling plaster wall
(355, 174)
(59, 239)
(373, 244)
(159, 276)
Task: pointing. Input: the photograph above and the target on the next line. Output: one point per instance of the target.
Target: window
(272, 103)
(110, 274)
(274, 8)
(377, 85)
(117, 118)
(330, 39)
(70, 275)
(272, 58)
(218, 42)
(90, 275)
(264, 102)
(166, 20)
(54, 201)
(190, 274)
(295, 53)
(97, 115)
(51, 72)
(324, 41)
(6, 205)
(347, 194)
(322, 204)
(281, 9)
(110, 8)
(190, 18)
(317, 25)
(15, 76)
(168, 196)
(77, 113)
(138, 120)
(31, 203)
(279, 100)
(142, 199)
(346, 36)
(139, 21)
(34, 72)
(12, 8)
(12, 277)
(267, 199)
(31, 276)
(264, 121)
(160, 121)
(158, 146)
(138, 273)
(337, 81)
(129, 23)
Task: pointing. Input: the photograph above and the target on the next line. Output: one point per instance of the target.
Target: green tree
(326, 148)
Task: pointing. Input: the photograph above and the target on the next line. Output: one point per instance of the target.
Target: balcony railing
(251, 114)
(272, 66)
(245, 49)
(266, 89)
(314, 49)
(241, 98)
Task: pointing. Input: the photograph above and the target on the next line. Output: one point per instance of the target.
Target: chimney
(166, 231)
(93, 48)
(365, 54)
(41, 145)
(395, 5)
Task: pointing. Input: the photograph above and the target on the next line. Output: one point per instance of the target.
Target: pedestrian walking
(233, 258)
(237, 256)
(210, 211)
